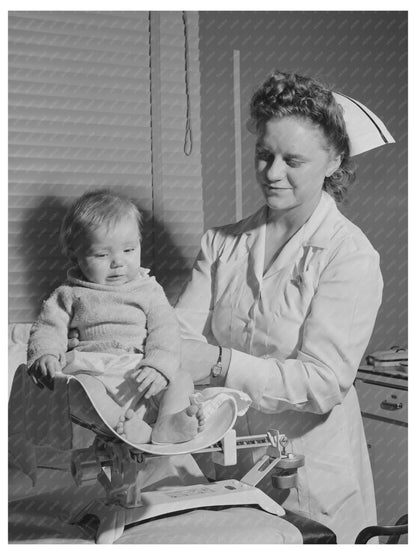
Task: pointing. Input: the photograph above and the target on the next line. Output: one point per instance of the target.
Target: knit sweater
(135, 317)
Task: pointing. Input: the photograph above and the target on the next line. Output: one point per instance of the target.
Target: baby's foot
(132, 427)
(177, 428)
(207, 408)
(200, 413)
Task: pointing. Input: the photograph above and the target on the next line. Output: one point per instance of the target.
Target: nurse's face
(292, 160)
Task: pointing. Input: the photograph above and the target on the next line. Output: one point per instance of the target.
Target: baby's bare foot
(132, 427)
(197, 410)
(176, 428)
(205, 409)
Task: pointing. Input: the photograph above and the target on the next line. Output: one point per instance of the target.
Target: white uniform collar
(314, 232)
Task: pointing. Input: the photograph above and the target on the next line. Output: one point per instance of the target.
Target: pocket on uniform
(295, 294)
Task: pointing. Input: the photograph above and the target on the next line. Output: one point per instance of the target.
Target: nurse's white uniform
(297, 335)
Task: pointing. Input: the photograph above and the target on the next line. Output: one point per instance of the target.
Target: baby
(129, 344)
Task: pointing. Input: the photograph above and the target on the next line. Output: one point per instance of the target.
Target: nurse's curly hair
(289, 94)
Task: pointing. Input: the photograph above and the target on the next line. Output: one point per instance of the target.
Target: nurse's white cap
(365, 130)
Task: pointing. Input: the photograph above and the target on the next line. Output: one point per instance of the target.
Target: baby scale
(117, 468)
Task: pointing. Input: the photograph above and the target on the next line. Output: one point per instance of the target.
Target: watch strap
(217, 368)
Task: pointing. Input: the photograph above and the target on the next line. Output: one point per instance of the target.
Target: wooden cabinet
(384, 406)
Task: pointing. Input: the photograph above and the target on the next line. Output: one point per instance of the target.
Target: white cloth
(113, 370)
(242, 400)
(297, 335)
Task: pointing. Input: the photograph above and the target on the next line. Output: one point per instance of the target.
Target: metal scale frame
(117, 468)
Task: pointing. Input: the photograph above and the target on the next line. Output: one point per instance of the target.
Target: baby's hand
(152, 380)
(43, 370)
(73, 338)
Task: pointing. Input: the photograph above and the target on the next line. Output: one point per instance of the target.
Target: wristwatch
(216, 369)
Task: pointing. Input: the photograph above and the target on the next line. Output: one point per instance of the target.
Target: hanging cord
(187, 147)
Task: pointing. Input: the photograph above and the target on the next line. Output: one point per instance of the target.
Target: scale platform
(117, 469)
(225, 492)
(114, 518)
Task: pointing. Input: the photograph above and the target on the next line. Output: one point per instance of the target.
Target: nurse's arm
(198, 358)
(194, 306)
(334, 337)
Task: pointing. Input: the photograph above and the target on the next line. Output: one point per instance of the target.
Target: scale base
(113, 518)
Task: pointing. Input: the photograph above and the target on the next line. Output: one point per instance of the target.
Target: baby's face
(111, 256)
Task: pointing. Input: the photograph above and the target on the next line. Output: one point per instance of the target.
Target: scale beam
(117, 468)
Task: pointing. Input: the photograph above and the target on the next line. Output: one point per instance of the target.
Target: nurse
(282, 304)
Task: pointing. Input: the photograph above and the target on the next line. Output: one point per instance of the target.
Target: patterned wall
(363, 54)
(84, 113)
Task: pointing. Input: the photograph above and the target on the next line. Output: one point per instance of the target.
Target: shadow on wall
(46, 266)
(170, 266)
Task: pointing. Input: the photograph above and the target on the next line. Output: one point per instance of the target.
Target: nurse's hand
(73, 339)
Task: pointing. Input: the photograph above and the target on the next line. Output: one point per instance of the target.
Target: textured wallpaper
(364, 55)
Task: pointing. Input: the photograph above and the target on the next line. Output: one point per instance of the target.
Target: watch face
(216, 370)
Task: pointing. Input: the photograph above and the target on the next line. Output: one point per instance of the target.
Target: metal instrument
(117, 468)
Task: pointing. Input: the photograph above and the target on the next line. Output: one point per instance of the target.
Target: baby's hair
(91, 210)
